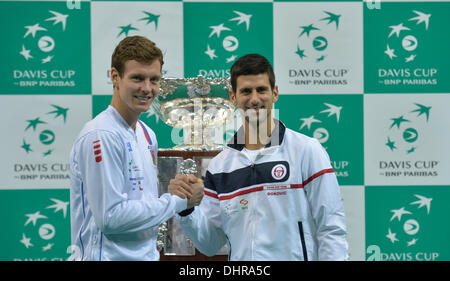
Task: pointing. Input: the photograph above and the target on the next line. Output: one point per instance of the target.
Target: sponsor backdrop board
(368, 79)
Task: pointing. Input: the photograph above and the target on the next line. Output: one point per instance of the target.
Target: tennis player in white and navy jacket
(280, 201)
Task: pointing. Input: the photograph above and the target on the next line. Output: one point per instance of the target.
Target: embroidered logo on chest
(279, 171)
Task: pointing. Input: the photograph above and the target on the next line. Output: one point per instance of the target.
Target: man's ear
(275, 94)
(233, 97)
(115, 77)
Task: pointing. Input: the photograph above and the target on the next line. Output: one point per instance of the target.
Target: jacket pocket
(302, 240)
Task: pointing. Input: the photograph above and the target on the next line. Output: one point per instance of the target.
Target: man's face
(138, 86)
(254, 97)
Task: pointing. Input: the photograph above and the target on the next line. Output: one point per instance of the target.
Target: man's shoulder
(102, 124)
(225, 154)
(297, 139)
(310, 149)
(222, 160)
(294, 134)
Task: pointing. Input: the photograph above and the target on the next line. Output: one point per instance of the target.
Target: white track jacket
(286, 205)
(115, 209)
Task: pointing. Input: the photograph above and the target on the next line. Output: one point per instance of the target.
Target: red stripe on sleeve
(318, 174)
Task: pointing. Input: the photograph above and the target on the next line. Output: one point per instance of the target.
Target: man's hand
(197, 191)
(180, 186)
(189, 187)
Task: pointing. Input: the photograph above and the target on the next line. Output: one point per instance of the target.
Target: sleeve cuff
(180, 203)
(186, 212)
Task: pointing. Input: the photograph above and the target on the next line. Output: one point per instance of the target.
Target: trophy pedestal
(177, 247)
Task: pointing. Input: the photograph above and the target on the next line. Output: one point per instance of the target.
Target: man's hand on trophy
(197, 191)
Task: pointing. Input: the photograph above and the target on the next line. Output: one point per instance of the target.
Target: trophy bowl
(197, 105)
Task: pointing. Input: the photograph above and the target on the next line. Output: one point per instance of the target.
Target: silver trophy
(188, 167)
(196, 105)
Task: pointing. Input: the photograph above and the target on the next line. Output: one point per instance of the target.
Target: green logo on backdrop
(39, 141)
(216, 34)
(405, 136)
(148, 19)
(47, 50)
(336, 122)
(38, 225)
(309, 40)
(407, 223)
(404, 139)
(404, 48)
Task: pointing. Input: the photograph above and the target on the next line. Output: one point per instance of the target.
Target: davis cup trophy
(197, 106)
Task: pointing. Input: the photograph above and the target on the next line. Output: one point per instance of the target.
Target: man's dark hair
(251, 64)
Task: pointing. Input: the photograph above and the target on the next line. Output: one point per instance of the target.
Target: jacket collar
(276, 138)
(116, 115)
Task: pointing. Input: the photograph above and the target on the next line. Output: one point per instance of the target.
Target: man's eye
(155, 80)
(261, 89)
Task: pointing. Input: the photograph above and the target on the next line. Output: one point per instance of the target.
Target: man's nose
(254, 97)
(147, 86)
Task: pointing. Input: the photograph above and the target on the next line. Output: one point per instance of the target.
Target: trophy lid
(174, 88)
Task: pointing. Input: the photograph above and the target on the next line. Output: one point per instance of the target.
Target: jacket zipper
(252, 214)
(302, 239)
(253, 172)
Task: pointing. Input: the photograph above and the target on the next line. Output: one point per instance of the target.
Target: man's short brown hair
(136, 48)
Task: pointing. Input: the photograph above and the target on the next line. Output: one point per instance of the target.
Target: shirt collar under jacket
(276, 138)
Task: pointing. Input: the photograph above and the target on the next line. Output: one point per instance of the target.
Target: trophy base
(177, 247)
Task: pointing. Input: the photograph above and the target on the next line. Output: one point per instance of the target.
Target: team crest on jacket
(279, 171)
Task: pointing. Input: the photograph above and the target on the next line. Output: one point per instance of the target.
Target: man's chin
(141, 108)
(255, 120)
